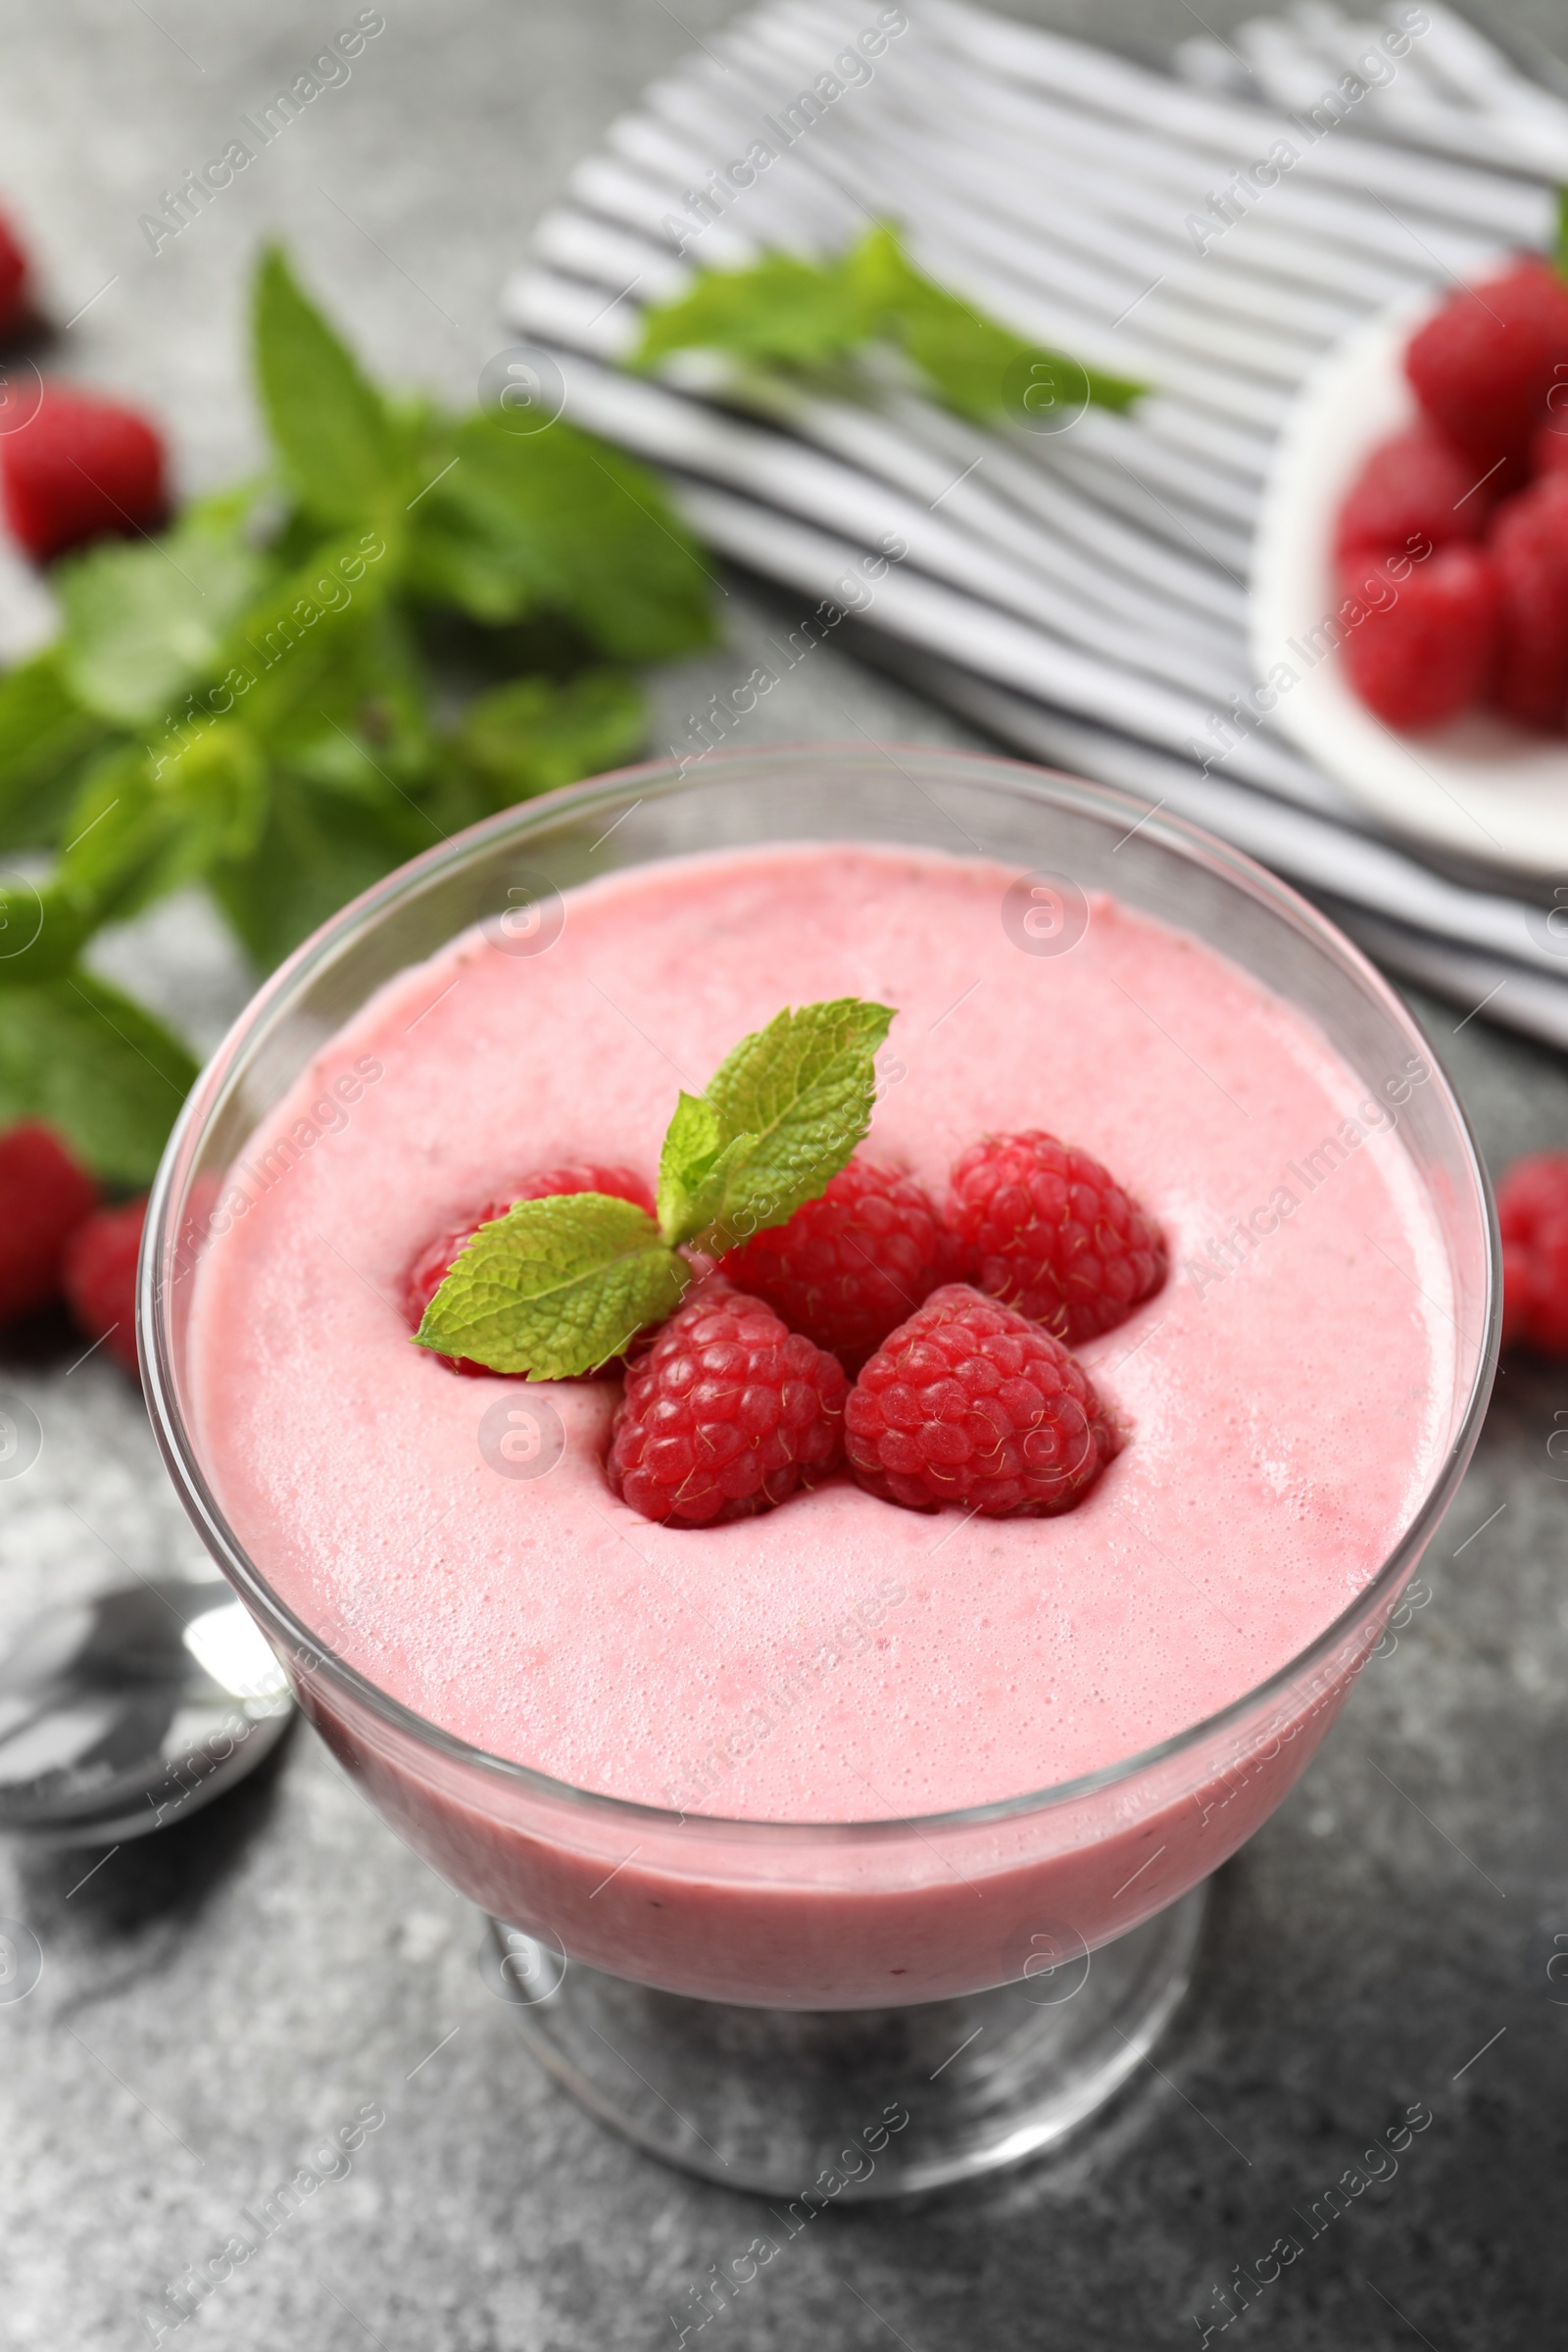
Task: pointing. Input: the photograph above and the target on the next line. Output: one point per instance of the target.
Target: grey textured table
(217, 2001)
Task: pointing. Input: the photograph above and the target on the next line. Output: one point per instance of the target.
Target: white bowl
(1479, 787)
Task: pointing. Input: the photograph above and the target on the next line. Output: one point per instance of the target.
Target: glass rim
(664, 778)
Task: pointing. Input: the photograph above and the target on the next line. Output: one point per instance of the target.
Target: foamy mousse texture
(838, 1658)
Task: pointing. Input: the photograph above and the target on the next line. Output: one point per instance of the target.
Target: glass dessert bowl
(855, 2006)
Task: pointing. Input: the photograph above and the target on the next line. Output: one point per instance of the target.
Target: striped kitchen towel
(1210, 231)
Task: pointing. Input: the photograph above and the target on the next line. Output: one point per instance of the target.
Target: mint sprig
(819, 319)
(342, 450)
(780, 1116)
(245, 702)
(559, 1286)
(554, 1286)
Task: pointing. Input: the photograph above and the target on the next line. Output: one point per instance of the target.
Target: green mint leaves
(246, 703)
(340, 450)
(554, 1286)
(782, 1115)
(515, 526)
(143, 618)
(1560, 251)
(557, 1287)
(819, 319)
(96, 1068)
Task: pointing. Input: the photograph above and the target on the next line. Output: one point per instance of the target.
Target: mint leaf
(695, 1167)
(805, 1088)
(964, 356)
(554, 1286)
(44, 732)
(788, 313)
(144, 825)
(781, 312)
(317, 848)
(144, 622)
(780, 1118)
(555, 522)
(531, 735)
(1560, 255)
(42, 931)
(92, 1065)
(236, 507)
(302, 630)
(366, 733)
(342, 454)
(557, 1287)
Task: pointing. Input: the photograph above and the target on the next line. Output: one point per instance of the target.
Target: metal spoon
(124, 1713)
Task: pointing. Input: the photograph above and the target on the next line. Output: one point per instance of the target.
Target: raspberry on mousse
(971, 1402)
(850, 1265)
(1044, 1227)
(435, 1263)
(725, 1414)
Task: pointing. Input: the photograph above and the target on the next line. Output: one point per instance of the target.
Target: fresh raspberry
(100, 1277)
(1426, 647)
(1533, 1213)
(15, 309)
(725, 1414)
(44, 1197)
(1415, 492)
(849, 1266)
(433, 1264)
(1529, 550)
(78, 469)
(1482, 367)
(1043, 1226)
(971, 1402)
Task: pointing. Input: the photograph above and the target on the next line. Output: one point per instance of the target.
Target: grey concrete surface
(215, 2001)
